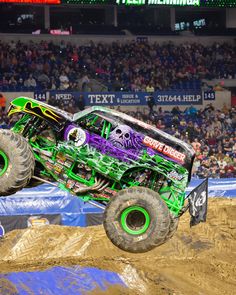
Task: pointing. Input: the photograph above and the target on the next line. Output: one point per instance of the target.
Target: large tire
(137, 220)
(16, 162)
(174, 222)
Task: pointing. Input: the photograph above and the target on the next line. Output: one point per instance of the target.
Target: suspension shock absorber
(34, 127)
(28, 127)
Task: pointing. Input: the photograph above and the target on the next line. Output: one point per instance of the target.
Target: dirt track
(201, 260)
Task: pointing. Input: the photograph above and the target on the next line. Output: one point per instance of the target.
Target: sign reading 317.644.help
(178, 98)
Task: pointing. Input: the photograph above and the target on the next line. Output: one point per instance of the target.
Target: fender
(38, 109)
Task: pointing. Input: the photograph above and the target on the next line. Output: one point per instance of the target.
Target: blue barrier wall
(46, 199)
(222, 187)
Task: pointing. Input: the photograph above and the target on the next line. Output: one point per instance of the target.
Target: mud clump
(200, 260)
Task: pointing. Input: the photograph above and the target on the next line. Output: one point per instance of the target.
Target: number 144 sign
(40, 96)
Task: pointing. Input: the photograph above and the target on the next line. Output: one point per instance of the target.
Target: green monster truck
(136, 172)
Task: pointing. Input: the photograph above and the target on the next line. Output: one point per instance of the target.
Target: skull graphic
(121, 136)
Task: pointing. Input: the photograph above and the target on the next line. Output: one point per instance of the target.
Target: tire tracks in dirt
(200, 260)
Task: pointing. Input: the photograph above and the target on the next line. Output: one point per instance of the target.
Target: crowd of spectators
(136, 66)
(212, 133)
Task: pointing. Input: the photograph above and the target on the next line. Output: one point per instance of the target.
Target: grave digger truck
(136, 172)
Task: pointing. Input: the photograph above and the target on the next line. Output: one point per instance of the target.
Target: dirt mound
(200, 260)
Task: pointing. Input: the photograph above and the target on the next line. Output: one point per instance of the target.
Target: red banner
(32, 1)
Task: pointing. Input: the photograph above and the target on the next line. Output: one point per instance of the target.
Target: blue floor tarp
(60, 281)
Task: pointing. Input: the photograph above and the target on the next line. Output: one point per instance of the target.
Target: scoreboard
(186, 3)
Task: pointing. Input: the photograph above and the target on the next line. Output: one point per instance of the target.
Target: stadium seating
(126, 66)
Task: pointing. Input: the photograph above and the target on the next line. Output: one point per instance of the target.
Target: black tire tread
(174, 222)
(156, 207)
(21, 162)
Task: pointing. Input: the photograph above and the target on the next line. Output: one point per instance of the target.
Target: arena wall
(231, 18)
(86, 39)
(11, 95)
(228, 83)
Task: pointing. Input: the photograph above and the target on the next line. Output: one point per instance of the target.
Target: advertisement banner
(130, 98)
(116, 98)
(63, 95)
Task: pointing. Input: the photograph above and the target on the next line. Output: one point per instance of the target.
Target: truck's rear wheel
(174, 222)
(16, 162)
(137, 220)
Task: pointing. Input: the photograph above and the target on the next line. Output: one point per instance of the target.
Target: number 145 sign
(209, 95)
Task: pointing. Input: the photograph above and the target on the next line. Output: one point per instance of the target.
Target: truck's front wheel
(137, 220)
(16, 162)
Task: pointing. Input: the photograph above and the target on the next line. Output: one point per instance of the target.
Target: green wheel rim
(3, 163)
(135, 220)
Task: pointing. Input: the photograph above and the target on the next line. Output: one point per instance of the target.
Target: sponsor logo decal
(175, 175)
(164, 149)
(37, 221)
(77, 135)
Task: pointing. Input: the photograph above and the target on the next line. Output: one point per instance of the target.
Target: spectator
(190, 131)
(20, 84)
(80, 103)
(191, 111)
(12, 83)
(176, 111)
(150, 103)
(216, 124)
(43, 79)
(30, 82)
(150, 88)
(160, 124)
(85, 81)
(52, 84)
(4, 83)
(64, 81)
(227, 145)
(3, 101)
(196, 145)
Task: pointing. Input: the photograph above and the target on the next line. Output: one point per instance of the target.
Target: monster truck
(136, 172)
